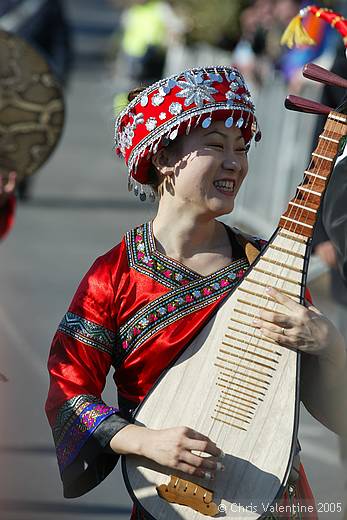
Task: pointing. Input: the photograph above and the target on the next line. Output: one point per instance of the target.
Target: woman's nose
(232, 163)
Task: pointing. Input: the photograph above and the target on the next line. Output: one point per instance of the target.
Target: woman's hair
(135, 92)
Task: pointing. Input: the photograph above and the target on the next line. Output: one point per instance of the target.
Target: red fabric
(109, 294)
(7, 213)
(76, 368)
(302, 501)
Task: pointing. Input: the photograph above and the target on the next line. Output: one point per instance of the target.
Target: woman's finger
(203, 446)
(200, 442)
(282, 339)
(196, 472)
(282, 298)
(282, 320)
(204, 463)
(11, 182)
(280, 334)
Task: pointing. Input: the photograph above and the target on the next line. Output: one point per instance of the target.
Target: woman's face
(209, 166)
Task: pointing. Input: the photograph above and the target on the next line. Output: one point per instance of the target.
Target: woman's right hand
(173, 448)
(7, 187)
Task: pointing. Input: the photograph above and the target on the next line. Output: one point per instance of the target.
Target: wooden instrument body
(228, 384)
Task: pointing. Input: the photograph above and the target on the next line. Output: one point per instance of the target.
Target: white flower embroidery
(196, 89)
(175, 109)
(234, 86)
(126, 138)
(138, 120)
(157, 100)
(162, 116)
(230, 95)
(151, 123)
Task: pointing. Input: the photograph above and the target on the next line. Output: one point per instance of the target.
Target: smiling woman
(144, 301)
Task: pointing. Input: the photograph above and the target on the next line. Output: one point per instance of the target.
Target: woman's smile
(225, 186)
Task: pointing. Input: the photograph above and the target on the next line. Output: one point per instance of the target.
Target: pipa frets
(281, 265)
(232, 403)
(231, 378)
(265, 349)
(297, 218)
(249, 351)
(234, 371)
(225, 392)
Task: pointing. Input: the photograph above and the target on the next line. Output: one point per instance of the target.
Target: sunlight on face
(208, 168)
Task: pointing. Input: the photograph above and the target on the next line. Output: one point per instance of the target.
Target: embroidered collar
(145, 258)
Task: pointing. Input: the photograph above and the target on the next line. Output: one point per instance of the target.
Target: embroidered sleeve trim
(88, 332)
(76, 421)
(174, 305)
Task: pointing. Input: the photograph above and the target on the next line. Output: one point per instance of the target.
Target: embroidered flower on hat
(138, 119)
(151, 123)
(157, 100)
(196, 89)
(126, 137)
(175, 108)
(234, 86)
(144, 100)
(230, 95)
(162, 116)
(162, 91)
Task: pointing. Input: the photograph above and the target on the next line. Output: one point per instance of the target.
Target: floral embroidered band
(88, 332)
(174, 305)
(76, 421)
(143, 257)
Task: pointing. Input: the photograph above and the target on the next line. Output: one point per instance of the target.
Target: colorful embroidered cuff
(77, 420)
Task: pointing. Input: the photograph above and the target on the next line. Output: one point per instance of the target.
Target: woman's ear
(162, 161)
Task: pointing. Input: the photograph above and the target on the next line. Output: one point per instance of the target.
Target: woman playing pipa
(156, 304)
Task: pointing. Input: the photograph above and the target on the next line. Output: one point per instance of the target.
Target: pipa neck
(301, 213)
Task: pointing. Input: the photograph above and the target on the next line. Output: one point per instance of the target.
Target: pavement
(80, 208)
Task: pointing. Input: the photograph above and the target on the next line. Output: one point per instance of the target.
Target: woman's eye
(215, 145)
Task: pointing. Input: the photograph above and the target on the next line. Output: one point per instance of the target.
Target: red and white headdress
(296, 34)
(175, 105)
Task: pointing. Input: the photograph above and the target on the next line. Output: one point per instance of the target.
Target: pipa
(232, 384)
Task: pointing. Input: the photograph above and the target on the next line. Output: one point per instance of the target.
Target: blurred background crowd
(77, 206)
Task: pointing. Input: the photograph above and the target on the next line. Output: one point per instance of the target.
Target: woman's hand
(327, 253)
(7, 188)
(302, 328)
(173, 448)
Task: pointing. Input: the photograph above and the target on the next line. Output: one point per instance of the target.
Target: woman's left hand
(303, 328)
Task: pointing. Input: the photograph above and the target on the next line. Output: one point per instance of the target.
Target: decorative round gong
(31, 107)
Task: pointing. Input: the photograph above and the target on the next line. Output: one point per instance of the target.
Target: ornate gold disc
(31, 107)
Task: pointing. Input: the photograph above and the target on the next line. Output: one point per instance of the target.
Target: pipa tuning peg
(317, 73)
(300, 104)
